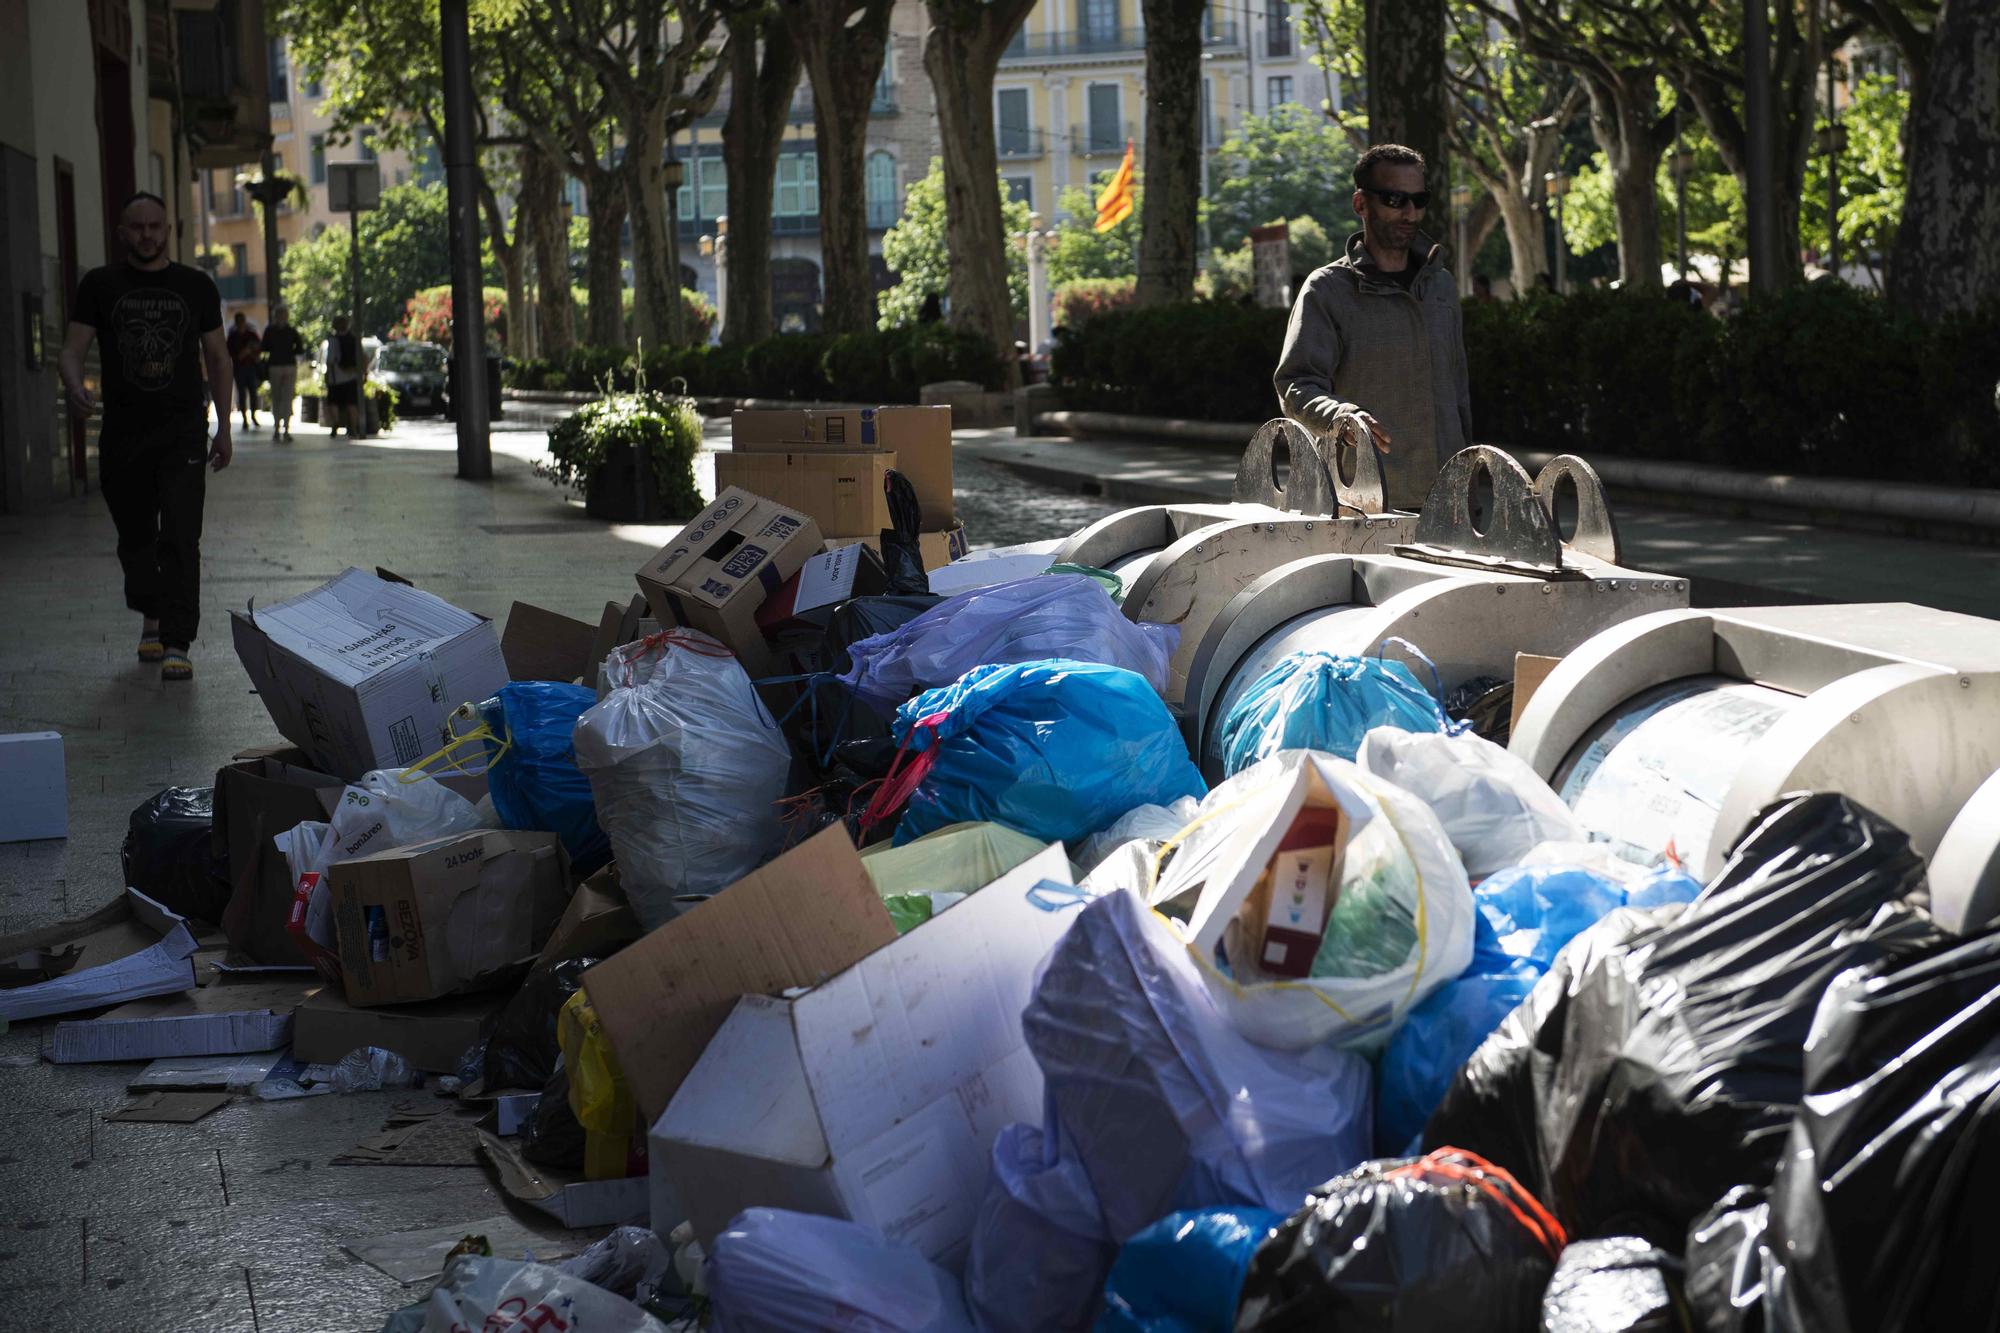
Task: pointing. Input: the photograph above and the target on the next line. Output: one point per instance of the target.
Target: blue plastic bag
(1057, 750)
(535, 782)
(1051, 617)
(1316, 700)
(1184, 1273)
(1526, 915)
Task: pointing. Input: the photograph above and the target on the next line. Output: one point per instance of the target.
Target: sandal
(150, 647)
(174, 665)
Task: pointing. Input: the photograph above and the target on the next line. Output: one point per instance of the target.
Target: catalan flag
(1115, 204)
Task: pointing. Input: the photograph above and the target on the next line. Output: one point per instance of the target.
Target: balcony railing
(1073, 43)
(1106, 140)
(1018, 142)
(237, 287)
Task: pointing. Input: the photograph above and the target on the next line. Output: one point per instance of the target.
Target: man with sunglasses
(1376, 348)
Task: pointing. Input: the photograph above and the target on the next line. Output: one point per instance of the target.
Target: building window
(365, 144)
(1012, 109)
(881, 186)
(429, 163)
(317, 158)
(714, 176)
(1207, 114)
(313, 89)
(798, 185)
(1097, 22)
(885, 82)
(278, 74)
(239, 258)
(1021, 189)
(1277, 29)
(1277, 92)
(225, 196)
(1106, 134)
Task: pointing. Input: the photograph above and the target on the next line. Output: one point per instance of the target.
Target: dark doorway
(115, 146)
(66, 261)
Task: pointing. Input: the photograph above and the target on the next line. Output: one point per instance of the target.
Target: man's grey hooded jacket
(1357, 338)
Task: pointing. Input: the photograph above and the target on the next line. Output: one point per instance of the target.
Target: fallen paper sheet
(207, 1071)
(413, 1256)
(178, 1108)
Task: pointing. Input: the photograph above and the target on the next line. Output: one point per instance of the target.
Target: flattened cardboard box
(361, 673)
(433, 1036)
(843, 492)
(877, 1094)
(127, 950)
(719, 569)
(445, 916)
(920, 437)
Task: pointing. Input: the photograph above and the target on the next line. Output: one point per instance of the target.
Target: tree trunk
(1947, 254)
(656, 295)
(1406, 89)
(760, 99)
(604, 262)
(962, 52)
(507, 253)
(1525, 243)
(843, 60)
(541, 195)
(1171, 161)
(1622, 119)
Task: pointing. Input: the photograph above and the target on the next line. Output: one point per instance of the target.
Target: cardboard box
(258, 795)
(361, 673)
(598, 921)
(1530, 670)
(31, 773)
(453, 914)
(843, 492)
(920, 437)
(937, 548)
(1292, 904)
(543, 645)
(128, 950)
(803, 917)
(824, 582)
(877, 1094)
(564, 1195)
(221, 1018)
(715, 574)
(433, 1037)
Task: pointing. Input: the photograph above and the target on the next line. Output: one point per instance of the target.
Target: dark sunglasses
(1396, 198)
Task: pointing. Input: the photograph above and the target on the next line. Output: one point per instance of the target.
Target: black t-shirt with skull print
(149, 325)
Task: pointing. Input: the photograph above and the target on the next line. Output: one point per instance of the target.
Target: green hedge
(873, 367)
(1822, 380)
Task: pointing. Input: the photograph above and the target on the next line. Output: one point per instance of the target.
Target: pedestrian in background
(246, 350)
(282, 345)
(342, 355)
(158, 327)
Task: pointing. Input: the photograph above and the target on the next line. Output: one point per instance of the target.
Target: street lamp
(1556, 183)
(1461, 203)
(1832, 138)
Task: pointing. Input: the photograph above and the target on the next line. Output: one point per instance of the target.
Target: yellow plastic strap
(449, 758)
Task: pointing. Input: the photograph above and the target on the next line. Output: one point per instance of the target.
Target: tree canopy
(917, 252)
(1285, 164)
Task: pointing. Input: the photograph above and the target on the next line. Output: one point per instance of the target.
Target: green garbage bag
(928, 875)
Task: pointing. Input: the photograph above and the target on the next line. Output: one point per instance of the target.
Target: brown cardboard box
(598, 922)
(842, 491)
(800, 919)
(715, 574)
(449, 915)
(938, 548)
(920, 437)
(545, 645)
(1292, 903)
(433, 1036)
(1530, 670)
(258, 795)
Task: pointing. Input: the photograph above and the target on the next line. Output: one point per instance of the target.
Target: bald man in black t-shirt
(158, 327)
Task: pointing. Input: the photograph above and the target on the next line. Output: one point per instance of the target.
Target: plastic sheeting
(1184, 1273)
(535, 782)
(1659, 1062)
(924, 877)
(1056, 750)
(1442, 1244)
(1067, 616)
(1620, 1284)
(1493, 806)
(477, 1292)
(1153, 1104)
(686, 767)
(773, 1271)
(1526, 915)
(1317, 700)
(1880, 1217)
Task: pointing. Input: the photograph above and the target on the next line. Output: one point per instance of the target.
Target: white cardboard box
(132, 949)
(31, 773)
(361, 673)
(877, 1094)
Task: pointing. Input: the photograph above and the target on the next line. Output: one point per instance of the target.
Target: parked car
(416, 371)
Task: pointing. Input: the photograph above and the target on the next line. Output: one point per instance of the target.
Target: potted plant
(631, 456)
(311, 389)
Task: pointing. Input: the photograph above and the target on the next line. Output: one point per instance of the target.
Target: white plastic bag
(1397, 852)
(490, 1294)
(1494, 807)
(1145, 823)
(774, 1271)
(686, 767)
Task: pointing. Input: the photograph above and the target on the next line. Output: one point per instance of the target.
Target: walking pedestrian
(158, 327)
(1376, 346)
(342, 355)
(282, 345)
(246, 350)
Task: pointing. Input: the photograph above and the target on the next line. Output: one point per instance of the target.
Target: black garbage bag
(1620, 1284)
(861, 618)
(902, 557)
(1445, 1243)
(553, 1136)
(521, 1050)
(825, 712)
(1880, 1217)
(170, 856)
(1644, 1077)
(1730, 1266)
